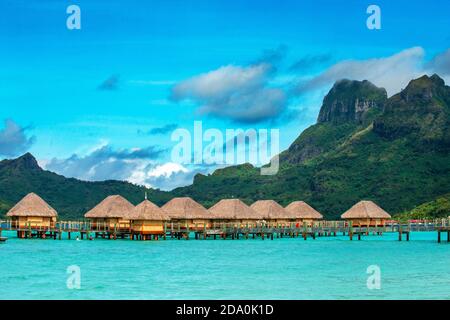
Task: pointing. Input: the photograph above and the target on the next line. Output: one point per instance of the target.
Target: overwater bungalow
(147, 219)
(112, 213)
(272, 212)
(187, 213)
(32, 212)
(302, 213)
(366, 214)
(235, 211)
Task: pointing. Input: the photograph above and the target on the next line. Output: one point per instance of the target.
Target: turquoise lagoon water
(325, 268)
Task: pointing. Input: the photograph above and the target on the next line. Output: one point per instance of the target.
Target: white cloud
(167, 176)
(440, 64)
(144, 173)
(392, 73)
(105, 163)
(163, 176)
(167, 169)
(234, 92)
(13, 139)
(135, 165)
(222, 82)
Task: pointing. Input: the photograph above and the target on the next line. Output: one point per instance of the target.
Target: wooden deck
(234, 231)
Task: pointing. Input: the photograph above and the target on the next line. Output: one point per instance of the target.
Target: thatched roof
(185, 208)
(270, 209)
(32, 206)
(111, 207)
(147, 210)
(229, 209)
(302, 210)
(365, 210)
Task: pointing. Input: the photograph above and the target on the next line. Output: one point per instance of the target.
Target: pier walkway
(173, 230)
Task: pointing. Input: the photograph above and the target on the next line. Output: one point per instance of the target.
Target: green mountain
(438, 208)
(348, 106)
(70, 197)
(364, 146)
(394, 151)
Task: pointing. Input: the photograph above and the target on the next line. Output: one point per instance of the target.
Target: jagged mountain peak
(424, 89)
(350, 101)
(427, 81)
(421, 112)
(25, 162)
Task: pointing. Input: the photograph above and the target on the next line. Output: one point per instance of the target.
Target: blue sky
(83, 101)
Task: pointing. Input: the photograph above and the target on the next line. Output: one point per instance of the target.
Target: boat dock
(234, 231)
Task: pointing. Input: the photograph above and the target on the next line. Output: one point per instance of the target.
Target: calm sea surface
(325, 268)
